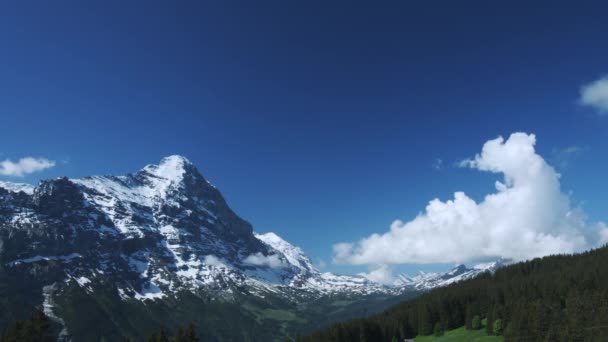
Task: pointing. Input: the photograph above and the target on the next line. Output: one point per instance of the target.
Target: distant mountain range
(162, 246)
(429, 281)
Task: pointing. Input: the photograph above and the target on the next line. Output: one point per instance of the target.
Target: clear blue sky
(321, 121)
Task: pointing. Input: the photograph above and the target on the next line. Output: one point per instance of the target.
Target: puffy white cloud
(381, 274)
(214, 261)
(595, 95)
(259, 259)
(527, 216)
(24, 166)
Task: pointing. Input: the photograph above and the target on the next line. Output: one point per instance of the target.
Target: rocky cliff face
(156, 232)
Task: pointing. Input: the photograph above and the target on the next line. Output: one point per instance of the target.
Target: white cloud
(603, 232)
(527, 216)
(259, 259)
(321, 264)
(24, 166)
(381, 274)
(595, 95)
(214, 261)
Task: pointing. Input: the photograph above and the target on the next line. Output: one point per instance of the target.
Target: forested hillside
(555, 298)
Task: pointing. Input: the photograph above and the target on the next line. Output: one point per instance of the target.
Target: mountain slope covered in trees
(555, 298)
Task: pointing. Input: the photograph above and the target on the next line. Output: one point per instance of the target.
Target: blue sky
(322, 123)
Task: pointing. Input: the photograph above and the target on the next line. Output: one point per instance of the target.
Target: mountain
(17, 187)
(162, 246)
(428, 281)
(153, 239)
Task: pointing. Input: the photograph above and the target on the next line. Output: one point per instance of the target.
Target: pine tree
(438, 330)
(153, 337)
(476, 323)
(162, 335)
(489, 324)
(36, 328)
(425, 325)
(363, 332)
(497, 329)
(191, 334)
(468, 320)
(187, 334)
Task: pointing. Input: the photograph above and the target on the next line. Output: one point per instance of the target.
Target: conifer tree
(476, 323)
(438, 330)
(469, 318)
(497, 328)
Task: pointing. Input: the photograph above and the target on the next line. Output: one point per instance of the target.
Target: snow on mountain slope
(128, 200)
(162, 234)
(307, 277)
(164, 230)
(427, 281)
(156, 232)
(16, 187)
(294, 255)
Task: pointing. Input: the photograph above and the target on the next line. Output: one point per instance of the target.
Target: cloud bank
(24, 166)
(528, 216)
(259, 259)
(595, 95)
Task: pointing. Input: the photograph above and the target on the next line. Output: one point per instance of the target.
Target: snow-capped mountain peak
(458, 269)
(171, 168)
(168, 175)
(162, 231)
(157, 232)
(427, 281)
(160, 234)
(294, 255)
(493, 265)
(17, 187)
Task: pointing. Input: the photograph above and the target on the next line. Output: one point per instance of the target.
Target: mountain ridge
(162, 186)
(152, 237)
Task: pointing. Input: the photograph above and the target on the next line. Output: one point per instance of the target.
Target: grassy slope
(462, 335)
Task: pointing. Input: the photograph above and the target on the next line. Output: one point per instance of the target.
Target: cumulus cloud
(528, 216)
(24, 166)
(595, 95)
(381, 274)
(259, 259)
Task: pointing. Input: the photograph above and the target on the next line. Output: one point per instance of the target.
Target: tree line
(183, 334)
(38, 328)
(555, 298)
